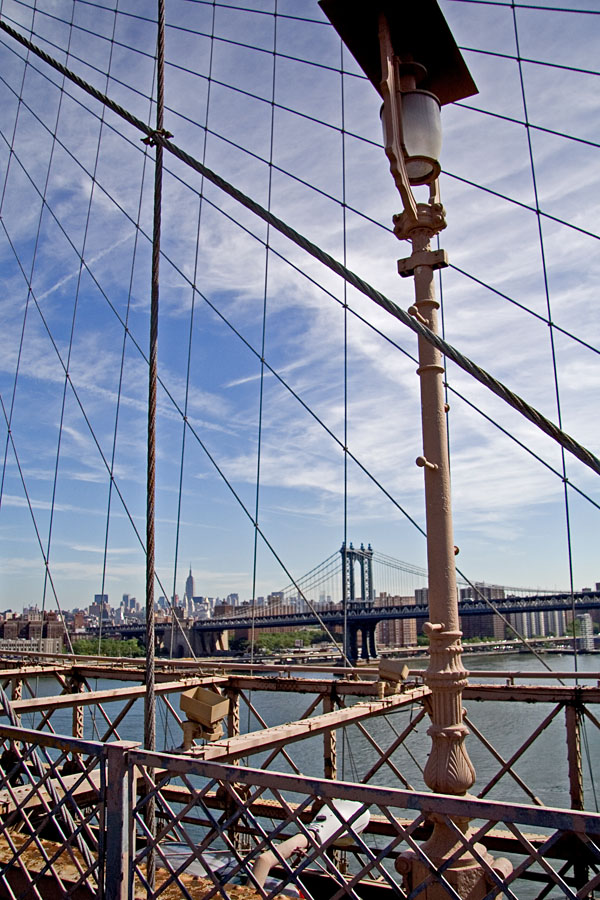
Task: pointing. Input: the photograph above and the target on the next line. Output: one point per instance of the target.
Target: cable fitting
(425, 464)
(435, 259)
(152, 139)
(414, 312)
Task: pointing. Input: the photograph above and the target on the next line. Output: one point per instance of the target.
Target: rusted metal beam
(527, 816)
(93, 697)
(268, 738)
(263, 807)
(32, 670)
(573, 715)
(526, 693)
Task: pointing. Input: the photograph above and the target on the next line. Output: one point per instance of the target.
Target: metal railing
(72, 825)
(210, 811)
(72, 818)
(52, 815)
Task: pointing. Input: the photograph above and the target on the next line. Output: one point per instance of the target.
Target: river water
(506, 726)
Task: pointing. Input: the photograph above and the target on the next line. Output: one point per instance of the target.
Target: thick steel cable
(328, 293)
(477, 372)
(213, 462)
(350, 208)
(124, 341)
(149, 696)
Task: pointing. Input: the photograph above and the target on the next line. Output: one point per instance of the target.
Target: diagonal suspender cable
(353, 312)
(263, 340)
(349, 207)
(184, 429)
(525, 409)
(550, 330)
(346, 559)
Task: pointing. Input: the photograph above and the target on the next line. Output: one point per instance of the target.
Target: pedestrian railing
(52, 816)
(84, 819)
(222, 819)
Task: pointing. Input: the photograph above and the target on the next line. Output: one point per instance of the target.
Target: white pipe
(268, 859)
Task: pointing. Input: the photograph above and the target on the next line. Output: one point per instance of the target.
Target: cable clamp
(435, 259)
(151, 139)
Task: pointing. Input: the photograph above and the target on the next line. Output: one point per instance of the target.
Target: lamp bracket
(430, 217)
(391, 86)
(411, 69)
(435, 259)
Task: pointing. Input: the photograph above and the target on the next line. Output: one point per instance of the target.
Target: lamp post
(408, 52)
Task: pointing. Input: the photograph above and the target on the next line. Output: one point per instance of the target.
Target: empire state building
(189, 585)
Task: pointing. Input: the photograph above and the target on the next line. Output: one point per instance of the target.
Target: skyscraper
(189, 585)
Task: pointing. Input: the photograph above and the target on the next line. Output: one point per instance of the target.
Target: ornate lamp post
(408, 52)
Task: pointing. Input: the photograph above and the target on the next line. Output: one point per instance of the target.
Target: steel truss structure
(72, 810)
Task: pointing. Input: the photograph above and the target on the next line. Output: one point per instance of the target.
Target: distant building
(586, 631)
(129, 603)
(33, 631)
(189, 586)
(488, 624)
(395, 632)
(421, 596)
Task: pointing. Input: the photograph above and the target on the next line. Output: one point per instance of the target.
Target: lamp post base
(465, 873)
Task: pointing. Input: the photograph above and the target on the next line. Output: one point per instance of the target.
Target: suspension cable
(544, 424)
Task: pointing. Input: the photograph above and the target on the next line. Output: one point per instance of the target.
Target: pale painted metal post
(337, 856)
(119, 801)
(448, 769)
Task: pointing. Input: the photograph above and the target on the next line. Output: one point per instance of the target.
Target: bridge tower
(350, 556)
(364, 558)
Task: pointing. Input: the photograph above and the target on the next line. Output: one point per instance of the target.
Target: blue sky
(509, 510)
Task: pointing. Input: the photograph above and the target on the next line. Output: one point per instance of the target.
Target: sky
(265, 106)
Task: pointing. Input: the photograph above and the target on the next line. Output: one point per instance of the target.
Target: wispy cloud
(364, 396)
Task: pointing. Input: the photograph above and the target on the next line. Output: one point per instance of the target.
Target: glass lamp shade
(422, 133)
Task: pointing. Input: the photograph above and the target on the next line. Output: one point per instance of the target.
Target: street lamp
(406, 49)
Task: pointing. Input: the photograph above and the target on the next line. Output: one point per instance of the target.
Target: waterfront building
(489, 625)
(395, 632)
(585, 631)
